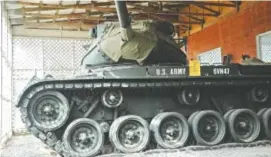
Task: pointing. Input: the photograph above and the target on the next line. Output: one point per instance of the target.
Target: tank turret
(144, 42)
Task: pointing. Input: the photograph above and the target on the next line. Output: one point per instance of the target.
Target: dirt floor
(29, 146)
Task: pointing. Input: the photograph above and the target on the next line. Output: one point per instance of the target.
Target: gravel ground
(226, 152)
(29, 146)
(26, 146)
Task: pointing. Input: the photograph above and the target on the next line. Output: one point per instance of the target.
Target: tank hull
(147, 92)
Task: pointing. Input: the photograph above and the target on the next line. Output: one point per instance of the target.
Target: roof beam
(73, 21)
(47, 7)
(88, 14)
(175, 22)
(211, 4)
(202, 6)
(67, 6)
(111, 19)
(40, 4)
(57, 11)
(184, 26)
(142, 8)
(194, 18)
(71, 16)
(175, 5)
(36, 9)
(23, 21)
(111, 10)
(189, 22)
(182, 13)
(92, 19)
(58, 25)
(99, 9)
(206, 8)
(180, 22)
(155, 5)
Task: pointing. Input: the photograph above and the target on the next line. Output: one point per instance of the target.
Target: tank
(138, 93)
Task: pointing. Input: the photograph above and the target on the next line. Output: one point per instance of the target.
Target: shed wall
(235, 34)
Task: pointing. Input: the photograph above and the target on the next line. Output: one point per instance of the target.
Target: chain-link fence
(265, 47)
(58, 57)
(266, 52)
(211, 57)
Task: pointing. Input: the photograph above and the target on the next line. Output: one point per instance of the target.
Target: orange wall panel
(235, 34)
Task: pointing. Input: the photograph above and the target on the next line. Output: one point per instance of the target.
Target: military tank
(137, 92)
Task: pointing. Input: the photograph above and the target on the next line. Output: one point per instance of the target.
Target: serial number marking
(172, 71)
(221, 71)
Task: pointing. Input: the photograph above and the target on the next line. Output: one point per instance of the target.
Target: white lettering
(172, 71)
(221, 71)
(163, 71)
(177, 71)
(158, 72)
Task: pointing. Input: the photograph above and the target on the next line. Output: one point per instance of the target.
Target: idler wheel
(244, 125)
(208, 127)
(259, 94)
(49, 110)
(170, 129)
(265, 118)
(112, 98)
(129, 134)
(189, 96)
(83, 138)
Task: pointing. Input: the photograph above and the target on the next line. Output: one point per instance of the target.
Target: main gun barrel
(122, 12)
(126, 31)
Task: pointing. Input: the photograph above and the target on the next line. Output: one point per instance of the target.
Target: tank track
(262, 143)
(53, 138)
